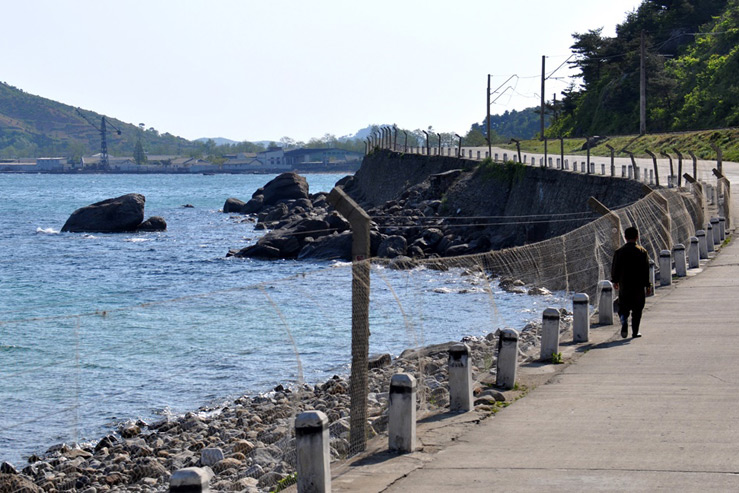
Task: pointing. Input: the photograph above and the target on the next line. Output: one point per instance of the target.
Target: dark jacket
(630, 269)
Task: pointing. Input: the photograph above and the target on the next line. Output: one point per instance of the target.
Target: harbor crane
(102, 129)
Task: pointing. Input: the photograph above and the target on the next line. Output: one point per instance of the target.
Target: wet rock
(154, 223)
(233, 205)
(392, 246)
(116, 215)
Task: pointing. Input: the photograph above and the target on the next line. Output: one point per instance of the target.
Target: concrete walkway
(660, 413)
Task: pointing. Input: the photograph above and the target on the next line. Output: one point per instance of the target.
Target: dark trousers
(623, 314)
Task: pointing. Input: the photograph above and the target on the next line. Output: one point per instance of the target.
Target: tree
(139, 156)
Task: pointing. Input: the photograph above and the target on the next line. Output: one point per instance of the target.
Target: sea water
(97, 329)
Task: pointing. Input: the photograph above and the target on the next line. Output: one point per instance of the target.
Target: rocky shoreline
(249, 444)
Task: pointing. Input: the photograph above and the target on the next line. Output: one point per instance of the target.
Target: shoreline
(254, 433)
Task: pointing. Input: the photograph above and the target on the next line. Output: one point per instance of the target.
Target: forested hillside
(691, 62)
(33, 126)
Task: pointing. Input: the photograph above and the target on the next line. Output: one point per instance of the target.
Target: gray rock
(233, 205)
(154, 223)
(211, 456)
(117, 215)
(392, 246)
(286, 186)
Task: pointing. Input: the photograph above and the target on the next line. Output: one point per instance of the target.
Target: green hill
(33, 126)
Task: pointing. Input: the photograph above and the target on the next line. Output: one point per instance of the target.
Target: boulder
(337, 246)
(118, 215)
(154, 223)
(254, 205)
(392, 246)
(287, 186)
(233, 205)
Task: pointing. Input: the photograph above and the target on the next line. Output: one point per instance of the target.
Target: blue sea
(98, 329)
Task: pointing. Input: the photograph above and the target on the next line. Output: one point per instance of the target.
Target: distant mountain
(33, 126)
(218, 140)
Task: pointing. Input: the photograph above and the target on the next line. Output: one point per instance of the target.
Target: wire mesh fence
(260, 354)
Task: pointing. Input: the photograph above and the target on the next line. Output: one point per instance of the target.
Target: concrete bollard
(665, 268)
(715, 224)
(580, 317)
(505, 157)
(603, 168)
(652, 275)
(507, 358)
(702, 244)
(550, 162)
(709, 237)
(722, 227)
(460, 378)
(550, 334)
(541, 162)
(681, 265)
(402, 413)
(312, 449)
(190, 480)
(651, 176)
(630, 172)
(583, 167)
(605, 303)
(496, 156)
(694, 257)
(567, 164)
(623, 171)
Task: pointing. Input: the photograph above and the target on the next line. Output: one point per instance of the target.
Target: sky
(248, 70)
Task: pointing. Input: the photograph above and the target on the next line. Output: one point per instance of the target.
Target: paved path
(660, 413)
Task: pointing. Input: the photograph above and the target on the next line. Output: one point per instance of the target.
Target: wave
(47, 231)
(137, 240)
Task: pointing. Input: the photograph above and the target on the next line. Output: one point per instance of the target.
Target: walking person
(630, 276)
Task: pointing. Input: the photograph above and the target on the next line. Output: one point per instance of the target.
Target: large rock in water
(118, 215)
(287, 186)
(154, 223)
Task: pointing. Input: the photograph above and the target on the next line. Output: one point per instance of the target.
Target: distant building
(325, 156)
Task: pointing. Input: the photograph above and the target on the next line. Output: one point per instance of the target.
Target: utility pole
(543, 78)
(490, 145)
(642, 89)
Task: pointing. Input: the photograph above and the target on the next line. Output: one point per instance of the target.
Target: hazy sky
(249, 70)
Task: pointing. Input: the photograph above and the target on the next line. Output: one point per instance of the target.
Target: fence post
(709, 237)
(722, 227)
(702, 244)
(360, 225)
(652, 275)
(549, 334)
(190, 480)
(694, 254)
(402, 413)
(460, 378)
(605, 303)
(313, 454)
(665, 268)
(507, 358)
(715, 224)
(580, 317)
(681, 267)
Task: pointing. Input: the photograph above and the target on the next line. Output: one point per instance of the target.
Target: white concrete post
(681, 266)
(709, 237)
(583, 166)
(715, 224)
(652, 275)
(651, 176)
(507, 358)
(313, 455)
(702, 243)
(460, 378)
(623, 171)
(665, 268)
(541, 162)
(567, 164)
(605, 303)
(505, 156)
(549, 333)
(694, 257)
(559, 163)
(496, 156)
(629, 172)
(190, 480)
(580, 317)
(550, 162)
(402, 413)
(722, 227)
(603, 168)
